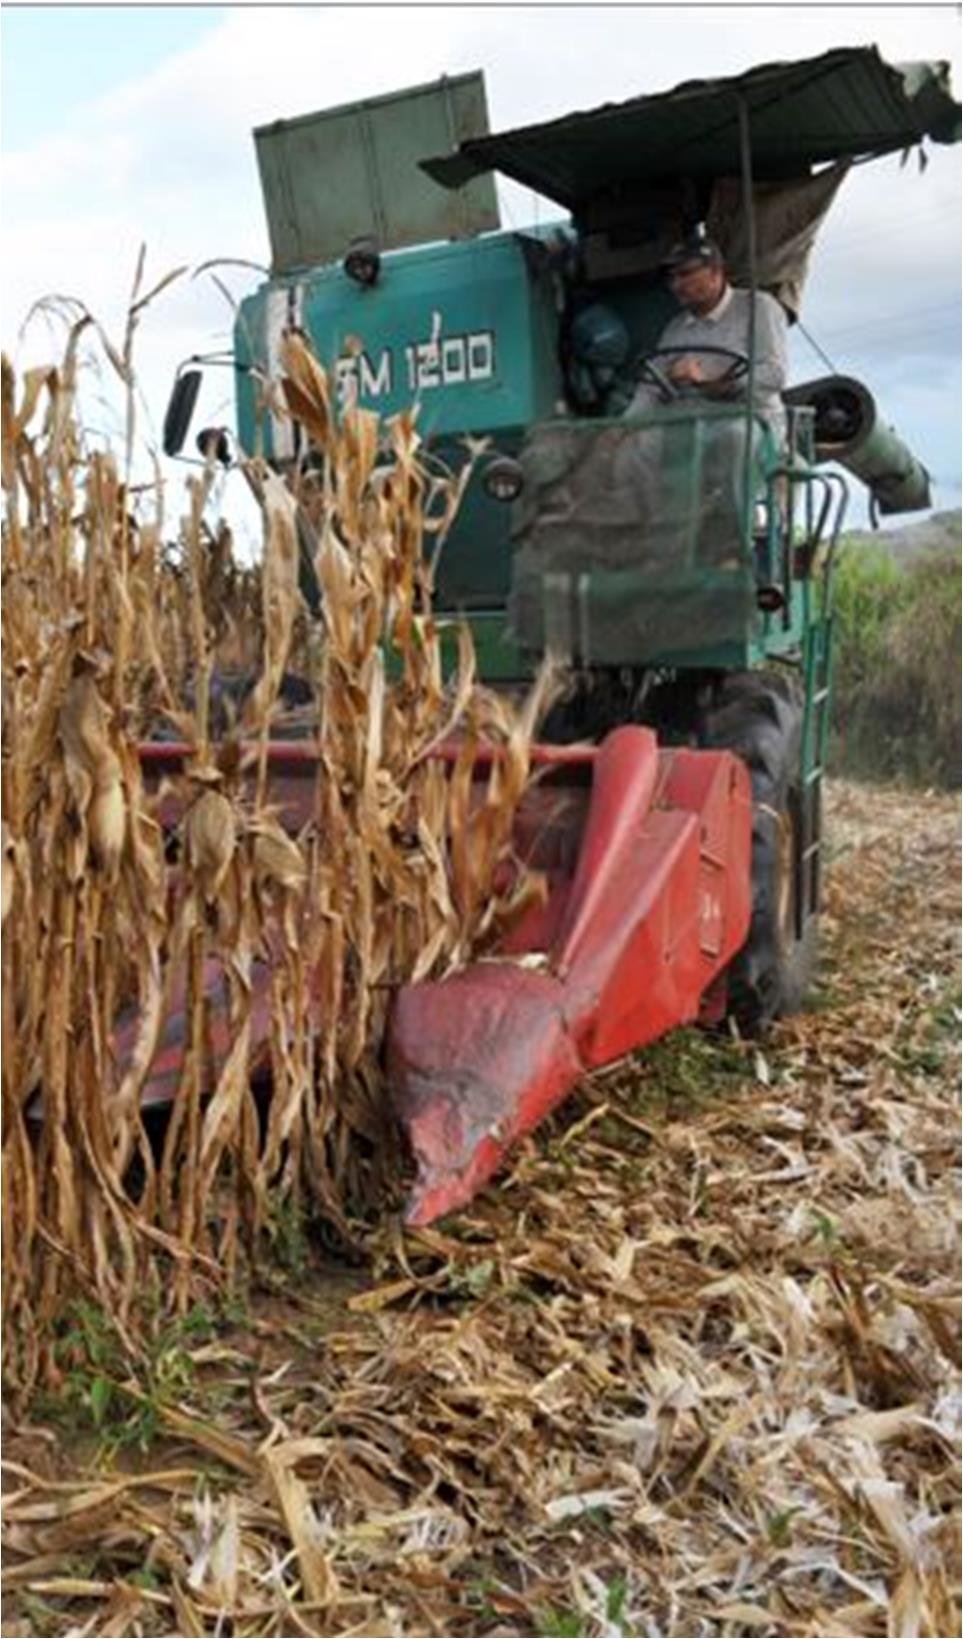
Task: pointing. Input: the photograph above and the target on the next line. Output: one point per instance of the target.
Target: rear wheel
(759, 716)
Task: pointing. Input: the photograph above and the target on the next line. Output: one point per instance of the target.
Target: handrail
(745, 165)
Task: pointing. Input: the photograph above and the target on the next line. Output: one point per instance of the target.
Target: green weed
(478, 1597)
(779, 1526)
(827, 1229)
(553, 1624)
(688, 1069)
(144, 1577)
(105, 1392)
(616, 1595)
(472, 1280)
(287, 1231)
(896, 691)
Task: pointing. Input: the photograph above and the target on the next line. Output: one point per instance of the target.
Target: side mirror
(180, 409)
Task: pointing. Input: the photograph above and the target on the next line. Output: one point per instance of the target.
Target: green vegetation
(103, 1391)
(553, 1624)
(896, 706)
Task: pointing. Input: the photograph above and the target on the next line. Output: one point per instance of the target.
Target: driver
(715, 315)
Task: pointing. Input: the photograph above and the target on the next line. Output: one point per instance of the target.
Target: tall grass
(896, 702)
(125, 898)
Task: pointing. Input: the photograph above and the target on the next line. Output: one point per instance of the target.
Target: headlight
(503, 478)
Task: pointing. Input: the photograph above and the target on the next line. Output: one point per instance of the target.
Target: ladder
(818, 669)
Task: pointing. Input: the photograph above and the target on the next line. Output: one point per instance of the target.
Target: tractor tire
(759, 716)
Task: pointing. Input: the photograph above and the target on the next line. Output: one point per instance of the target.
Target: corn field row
(127, 894)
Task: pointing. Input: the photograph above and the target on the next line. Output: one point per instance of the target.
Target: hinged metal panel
(331, 176)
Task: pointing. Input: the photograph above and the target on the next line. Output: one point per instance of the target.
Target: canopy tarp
(845, 104)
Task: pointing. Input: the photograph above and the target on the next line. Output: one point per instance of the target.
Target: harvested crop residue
(691, 1369)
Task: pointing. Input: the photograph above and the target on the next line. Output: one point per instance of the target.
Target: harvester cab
(654, 529)
(675, 546)
(669, 543)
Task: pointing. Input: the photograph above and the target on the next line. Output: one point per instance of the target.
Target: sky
(124, 125)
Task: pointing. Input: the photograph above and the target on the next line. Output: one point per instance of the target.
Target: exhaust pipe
(848, 430)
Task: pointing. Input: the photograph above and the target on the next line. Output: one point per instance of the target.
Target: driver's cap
(695, 247)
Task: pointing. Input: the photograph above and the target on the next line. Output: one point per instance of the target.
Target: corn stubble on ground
(691, 1368)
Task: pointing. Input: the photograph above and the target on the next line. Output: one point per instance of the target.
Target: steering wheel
(648, 370)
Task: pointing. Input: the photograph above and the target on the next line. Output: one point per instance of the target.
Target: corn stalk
(125, 897)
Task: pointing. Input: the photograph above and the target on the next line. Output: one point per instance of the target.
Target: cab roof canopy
(847, 103)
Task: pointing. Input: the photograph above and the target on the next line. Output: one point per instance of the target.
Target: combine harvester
(678, 810)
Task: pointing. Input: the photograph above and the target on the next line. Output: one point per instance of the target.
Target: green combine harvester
(696, 601)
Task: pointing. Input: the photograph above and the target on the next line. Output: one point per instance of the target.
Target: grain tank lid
(349, 171)
(846, 103)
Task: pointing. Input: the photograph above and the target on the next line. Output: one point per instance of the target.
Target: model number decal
(417, 366)
(451, 361)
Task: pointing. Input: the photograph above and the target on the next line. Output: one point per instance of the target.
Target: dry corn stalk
(133, 899)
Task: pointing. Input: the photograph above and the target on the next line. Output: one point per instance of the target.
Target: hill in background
(939, 532)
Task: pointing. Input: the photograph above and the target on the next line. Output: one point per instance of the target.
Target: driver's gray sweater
(728, 326)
